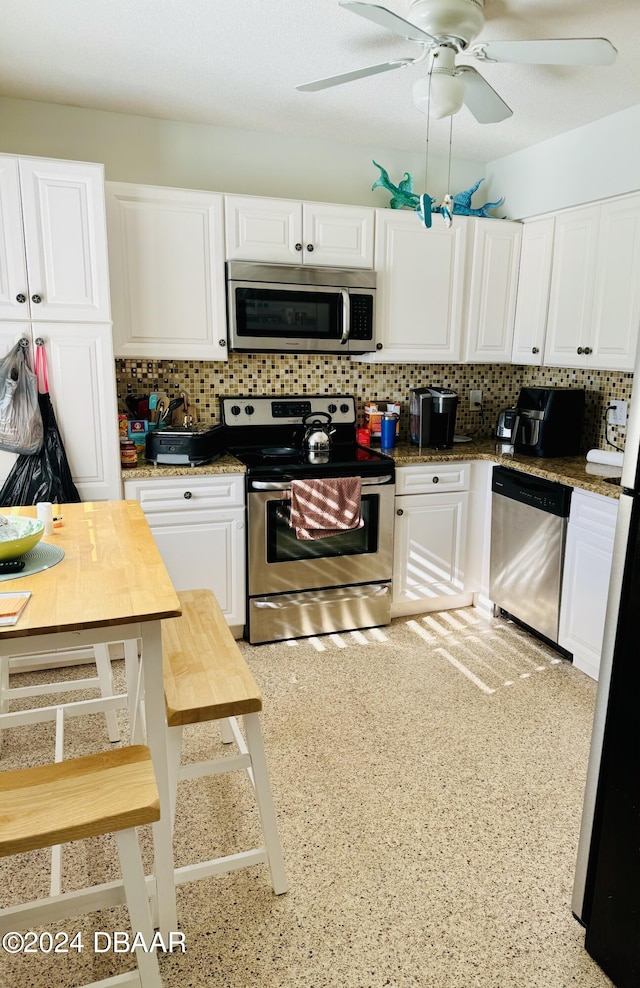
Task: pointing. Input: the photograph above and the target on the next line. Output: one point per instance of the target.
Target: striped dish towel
(324, 507)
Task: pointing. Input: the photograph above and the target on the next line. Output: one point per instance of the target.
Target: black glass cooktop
(345, 459)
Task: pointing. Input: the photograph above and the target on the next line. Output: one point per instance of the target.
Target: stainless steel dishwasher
(529, 519)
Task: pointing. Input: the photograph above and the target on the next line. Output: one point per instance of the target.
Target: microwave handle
(346, 315)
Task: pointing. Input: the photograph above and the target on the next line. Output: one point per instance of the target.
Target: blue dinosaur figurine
(462, 203)
(402, 195)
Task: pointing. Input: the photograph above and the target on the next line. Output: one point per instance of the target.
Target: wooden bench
(207, 679)
(110, 792)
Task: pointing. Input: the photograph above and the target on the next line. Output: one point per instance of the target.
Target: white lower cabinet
(199, 526)
(430, 538)
(585, 584)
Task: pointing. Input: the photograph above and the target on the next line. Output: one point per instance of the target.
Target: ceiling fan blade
(337, 80)
(567, 51)
(481, 98)
(386, 18)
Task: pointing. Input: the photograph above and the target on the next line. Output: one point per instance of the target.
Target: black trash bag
(44, 476)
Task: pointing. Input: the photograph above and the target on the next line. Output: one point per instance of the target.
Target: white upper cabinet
(532, 303)
(594, 305)
(166, 257)
(492, 290)
(53, 262)
(284, 231)
(420, 301)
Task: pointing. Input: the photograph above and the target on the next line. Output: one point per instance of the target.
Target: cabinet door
(420, 296)
(532, 301)
(83, 392)
(492, 292)
(205, 550)
(263, 229)
(65, 239)
(429, 546)
(616, 308)
(585, 585)
(572, 288)
(14, 286)
(338, 235)
(166, 254)
(199, 525)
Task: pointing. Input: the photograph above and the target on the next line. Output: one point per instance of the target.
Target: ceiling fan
(447, 28)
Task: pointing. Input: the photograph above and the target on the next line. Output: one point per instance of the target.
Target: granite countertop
(570, 470)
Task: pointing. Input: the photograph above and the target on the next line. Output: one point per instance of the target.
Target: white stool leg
(265, 803)
(226, 731)
(135, 703)
(4, 686)
(174, 751)
(138, 905)
(105, 677)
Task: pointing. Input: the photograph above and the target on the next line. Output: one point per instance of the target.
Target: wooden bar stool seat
(207, 679)
(110, 792)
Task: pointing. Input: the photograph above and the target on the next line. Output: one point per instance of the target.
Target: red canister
(363, 437)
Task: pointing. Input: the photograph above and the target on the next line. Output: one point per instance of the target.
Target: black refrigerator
(606, 894)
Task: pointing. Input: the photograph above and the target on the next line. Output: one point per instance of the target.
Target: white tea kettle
(318, 433)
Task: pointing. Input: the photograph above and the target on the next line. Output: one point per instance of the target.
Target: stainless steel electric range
(297, 587)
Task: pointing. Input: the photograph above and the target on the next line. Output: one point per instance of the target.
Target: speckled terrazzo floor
(428, 781)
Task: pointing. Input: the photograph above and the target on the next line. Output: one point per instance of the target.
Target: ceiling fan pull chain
(446, 206)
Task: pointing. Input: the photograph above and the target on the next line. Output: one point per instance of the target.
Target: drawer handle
(187, 495)
(400, 511)
(435, 480)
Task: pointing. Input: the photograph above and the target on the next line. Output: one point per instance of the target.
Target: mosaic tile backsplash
(283, 374)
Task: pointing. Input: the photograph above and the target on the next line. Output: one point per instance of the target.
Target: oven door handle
(346, 315)
(285, 485)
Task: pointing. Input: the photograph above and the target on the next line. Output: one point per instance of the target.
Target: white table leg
(157, 741)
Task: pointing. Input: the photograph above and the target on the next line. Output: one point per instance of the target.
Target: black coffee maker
(549, 421)
(432, 417)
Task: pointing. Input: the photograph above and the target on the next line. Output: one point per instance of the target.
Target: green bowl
(28, 532)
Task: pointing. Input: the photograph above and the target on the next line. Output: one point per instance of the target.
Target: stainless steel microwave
(299, 309)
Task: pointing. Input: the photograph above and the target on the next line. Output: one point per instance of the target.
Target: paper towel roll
(602, 470)
(605, 456)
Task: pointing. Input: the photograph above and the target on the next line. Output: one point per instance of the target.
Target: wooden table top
(112, 573)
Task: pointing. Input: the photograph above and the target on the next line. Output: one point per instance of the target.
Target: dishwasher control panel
(546, 495)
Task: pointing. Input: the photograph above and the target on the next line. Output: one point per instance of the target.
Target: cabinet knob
(378, 346)
(222, 342)
(310, 248)
(298, 246)
(534, 349)
(588, 350)
(21, 298)
(187, 495)
(435, 480)
(400, 511)
(36, 298)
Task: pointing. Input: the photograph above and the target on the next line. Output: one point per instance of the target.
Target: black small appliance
(432, 417)
(549, 421)
(185, 447)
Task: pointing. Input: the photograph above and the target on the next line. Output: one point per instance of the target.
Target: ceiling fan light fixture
(440, 94)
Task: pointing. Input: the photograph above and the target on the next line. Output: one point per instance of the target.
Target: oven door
(309, 318)
(280, 562)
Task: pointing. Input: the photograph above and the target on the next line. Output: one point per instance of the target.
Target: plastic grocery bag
(45, 475)
(21, 429)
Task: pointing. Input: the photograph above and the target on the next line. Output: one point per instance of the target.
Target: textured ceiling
(235, 63)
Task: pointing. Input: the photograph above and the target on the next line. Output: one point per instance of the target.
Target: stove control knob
(332, 408)
(249, 409)
(235, 409)
(344, 408)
